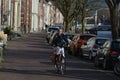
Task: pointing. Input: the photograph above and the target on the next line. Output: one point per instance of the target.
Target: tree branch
(109, 3)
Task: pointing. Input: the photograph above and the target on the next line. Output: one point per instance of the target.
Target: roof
(117, 40)
(103, 38)
(87, 35)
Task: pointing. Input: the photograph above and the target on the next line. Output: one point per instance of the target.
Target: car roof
(54, 27)
(87, 35)
(117, 40)
(67, 33)
(102, 38)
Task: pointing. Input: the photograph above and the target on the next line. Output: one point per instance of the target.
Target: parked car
(86, 48)
(107, 55)
(49, 35)
(72, 46)
(117, 66)
(51, 38)
(119, 31)
(98, 43)
(77, 42)
(49, 29)
(69, 37)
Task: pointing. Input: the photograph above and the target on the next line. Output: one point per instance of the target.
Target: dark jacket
(59, 40)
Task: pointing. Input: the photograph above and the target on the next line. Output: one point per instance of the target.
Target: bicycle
(60, 65)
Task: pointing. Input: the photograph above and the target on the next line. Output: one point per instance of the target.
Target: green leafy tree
(114, 11)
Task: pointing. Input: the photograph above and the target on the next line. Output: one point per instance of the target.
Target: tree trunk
(83, 24)
(114, 22)
(66, 26)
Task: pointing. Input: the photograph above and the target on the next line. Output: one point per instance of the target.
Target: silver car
(87, 47)
(98, 43)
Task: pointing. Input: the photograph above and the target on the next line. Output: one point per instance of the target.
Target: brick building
(26, 16)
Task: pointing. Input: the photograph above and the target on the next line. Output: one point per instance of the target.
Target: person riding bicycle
(59, 41)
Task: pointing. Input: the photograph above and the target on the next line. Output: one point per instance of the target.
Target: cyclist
(59, 41)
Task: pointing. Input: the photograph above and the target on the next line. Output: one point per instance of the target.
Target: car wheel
(90, 55)
(117, 69)
(96, 61)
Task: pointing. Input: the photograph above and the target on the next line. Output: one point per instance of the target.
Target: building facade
(26, 16)
(0, 14)
(52, 15)
(41, 15)
(58, 17)
(17, 17)
(34, 19)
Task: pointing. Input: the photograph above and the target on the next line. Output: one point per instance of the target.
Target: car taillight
(113, 52)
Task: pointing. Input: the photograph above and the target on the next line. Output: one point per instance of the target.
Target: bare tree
(84, 7)
(83, 10)
(66, 7)
(114, 10)
(71, 8)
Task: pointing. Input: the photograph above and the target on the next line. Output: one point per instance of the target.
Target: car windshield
(68, 36)
(100, 42)
(54, 29)
(115, 46)
(86, 37)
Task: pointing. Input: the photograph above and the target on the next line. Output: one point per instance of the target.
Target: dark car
(49, 35)
(98, 43)
(69, 37)
(107, 55)
(49, 29)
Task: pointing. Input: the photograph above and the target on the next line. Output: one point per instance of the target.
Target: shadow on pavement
(75, 74)
(27, 54)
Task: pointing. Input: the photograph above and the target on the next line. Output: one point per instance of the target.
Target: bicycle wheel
(56, 68)
(62, 67)
(117, 69)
